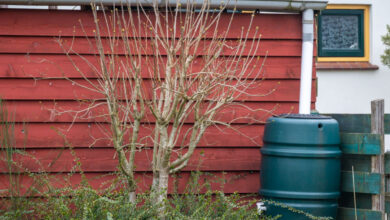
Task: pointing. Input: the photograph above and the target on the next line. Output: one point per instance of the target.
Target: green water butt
(300, 165)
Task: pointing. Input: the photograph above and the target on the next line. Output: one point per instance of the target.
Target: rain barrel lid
(304, 116)
(302, 129)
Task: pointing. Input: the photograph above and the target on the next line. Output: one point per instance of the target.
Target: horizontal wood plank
(358, 123)
(362, 214)
(62, 89)
(68, 23)
(363, 200)
(106, 160)
(360, 163)
(364, 182)
(49, 135)
(58, 66)
(50, 45)
(243, 182)
(360, 143)
(65, 111)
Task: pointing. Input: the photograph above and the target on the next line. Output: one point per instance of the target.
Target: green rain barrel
(300, 166)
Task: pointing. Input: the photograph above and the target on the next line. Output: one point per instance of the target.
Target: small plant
(386, 55)
(8, 152)
(25, 194)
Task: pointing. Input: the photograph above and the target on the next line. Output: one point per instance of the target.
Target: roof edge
(280, 5)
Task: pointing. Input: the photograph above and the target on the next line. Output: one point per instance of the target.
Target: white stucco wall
(343, 91)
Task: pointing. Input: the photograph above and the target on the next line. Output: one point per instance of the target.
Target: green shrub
(42, 200)
(87, 203)
(386, 55)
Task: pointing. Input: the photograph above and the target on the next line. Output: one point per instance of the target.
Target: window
(343, 33)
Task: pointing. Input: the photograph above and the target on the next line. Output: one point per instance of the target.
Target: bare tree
(169, 67)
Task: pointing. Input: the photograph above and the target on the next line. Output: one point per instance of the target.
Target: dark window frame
(342, 52)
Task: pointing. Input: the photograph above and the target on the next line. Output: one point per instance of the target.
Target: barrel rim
(299, 194)
(304, 116)
(315, 153)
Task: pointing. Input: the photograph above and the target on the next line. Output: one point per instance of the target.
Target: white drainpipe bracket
(261, 207)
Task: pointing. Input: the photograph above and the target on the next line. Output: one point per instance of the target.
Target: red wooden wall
(32, 70)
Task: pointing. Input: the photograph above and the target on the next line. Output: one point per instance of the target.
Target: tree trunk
(132, 197)
(162, 191)
(132, 186)
(154, 188)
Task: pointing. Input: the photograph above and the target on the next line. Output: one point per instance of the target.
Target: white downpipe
(307, 61)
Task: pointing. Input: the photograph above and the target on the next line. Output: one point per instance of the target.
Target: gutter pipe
(279, 5)
(284, 5)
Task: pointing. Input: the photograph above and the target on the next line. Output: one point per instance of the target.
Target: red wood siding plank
(58, 66)
(49, 135)
(243, 182)
(66, 23)
(49, 111)
(50, 45)
(105, 160)
(61, 89)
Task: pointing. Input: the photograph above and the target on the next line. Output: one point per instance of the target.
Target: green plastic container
(300, 166)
